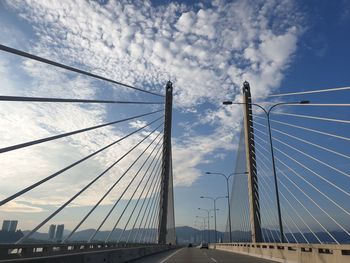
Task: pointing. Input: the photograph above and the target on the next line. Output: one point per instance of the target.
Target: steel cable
(155, 189)
(291, 206)
(144, 198)
(136, 189)
(55, 137)
(92, 209)
(154, 198)
(127, 170)
(130, 199)
(80, 192)
(312, 130)
(311, 117)
(311, 143)
(19, 193)
(141, 193)
(56, 64)
(62, 100)
(310, 92)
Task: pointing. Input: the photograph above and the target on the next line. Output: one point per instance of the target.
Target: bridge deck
(195, 255)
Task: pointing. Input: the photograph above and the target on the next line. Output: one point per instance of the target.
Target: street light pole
(216, 235)
(229, 207)
(228, 197)
(208, 211)
(203, 217)
(214, 200)
(200, 225)
(267, 113)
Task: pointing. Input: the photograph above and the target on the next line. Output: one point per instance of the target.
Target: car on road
(204, 245)
(189, 245)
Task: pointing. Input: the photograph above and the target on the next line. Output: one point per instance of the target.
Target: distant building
(6, 225)
(13, 225)
(59, 232)
(9, 225)
(52, 230)
(9, 232)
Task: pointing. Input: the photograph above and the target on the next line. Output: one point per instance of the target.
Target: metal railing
(286, 252)
(16, 251)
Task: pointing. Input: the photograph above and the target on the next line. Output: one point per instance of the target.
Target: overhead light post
(208, 211)
(228, 196)
(214, 200)
(203, 217)
(200, 225)
(267, 113)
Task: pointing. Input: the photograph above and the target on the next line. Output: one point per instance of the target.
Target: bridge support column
(166, 226)
(253, 190)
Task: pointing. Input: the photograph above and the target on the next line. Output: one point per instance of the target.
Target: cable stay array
(59, 136)
(310, 92)
(306, 143)
(72, 165)
(100, 200)
(93, 181)
(129, 184)
(299, 154)
(123, 193)
(311, 154)
(140, 195)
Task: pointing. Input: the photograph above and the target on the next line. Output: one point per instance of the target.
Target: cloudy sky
(206, 48)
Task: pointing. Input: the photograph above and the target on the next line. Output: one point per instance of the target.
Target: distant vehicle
(203, 245)
(189, 245)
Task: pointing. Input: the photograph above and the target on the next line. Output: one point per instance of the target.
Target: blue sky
(206, 48)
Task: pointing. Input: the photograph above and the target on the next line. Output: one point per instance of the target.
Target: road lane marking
(213, 259)
(168, 257)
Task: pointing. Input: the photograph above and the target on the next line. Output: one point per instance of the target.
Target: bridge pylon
(253, 189)
(166, 226)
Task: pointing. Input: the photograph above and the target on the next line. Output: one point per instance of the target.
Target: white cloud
(207, 51)
(137, 124)
(193, 47)
(21, 122)
(18, 207)
(185, 22)
(190, 152)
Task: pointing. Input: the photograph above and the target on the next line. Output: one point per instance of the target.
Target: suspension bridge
(289, 196)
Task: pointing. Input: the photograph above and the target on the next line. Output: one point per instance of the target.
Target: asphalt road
(196, 255)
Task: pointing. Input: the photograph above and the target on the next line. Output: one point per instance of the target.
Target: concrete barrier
(291, 253)
(81, 253)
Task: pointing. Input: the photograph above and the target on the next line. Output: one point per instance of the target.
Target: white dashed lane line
(168, 257)
(213, 259)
